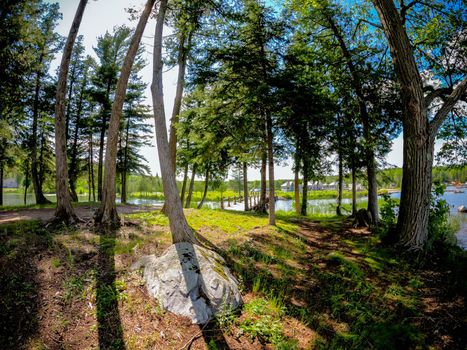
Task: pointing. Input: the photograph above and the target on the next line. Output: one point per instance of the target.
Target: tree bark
(125, 163)
(73, 173)
(40, 198)
(297, 186)
(303, 210)
(107, 212)
(205, 192)
(91, 169)
(68, 104)
(192, 184)
(340, 185)
(245, 186)
(1, 183)
(419, 133)
(181, 61)
(124, 196)
(64, 211)
(185, 179)
(354, 192)
(181, 232)
(261, 207)
(272, 197)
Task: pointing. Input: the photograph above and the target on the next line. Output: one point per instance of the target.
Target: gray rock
(190, 281)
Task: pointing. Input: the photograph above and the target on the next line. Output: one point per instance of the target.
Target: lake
(315, 206)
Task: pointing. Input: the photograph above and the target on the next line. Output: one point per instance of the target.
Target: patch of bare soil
(73, 290)
(84, 212)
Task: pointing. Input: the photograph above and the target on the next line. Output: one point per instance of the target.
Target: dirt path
(84, 212)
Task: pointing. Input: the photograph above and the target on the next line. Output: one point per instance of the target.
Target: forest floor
(85, 211)
(307, 283)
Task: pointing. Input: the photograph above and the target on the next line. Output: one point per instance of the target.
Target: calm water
(315, 206)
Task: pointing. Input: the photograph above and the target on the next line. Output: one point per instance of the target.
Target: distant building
(287, 186)
(10, 183)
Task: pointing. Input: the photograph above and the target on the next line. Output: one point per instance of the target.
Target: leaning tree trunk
(64, 211)
(107, 212)
(181, 60)
(192, 184)
(205, 192)
(245, 185)
(181, 232)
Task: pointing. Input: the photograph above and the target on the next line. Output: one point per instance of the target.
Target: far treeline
(327, 84)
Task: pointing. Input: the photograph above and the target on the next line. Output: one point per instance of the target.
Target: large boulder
(190, 281)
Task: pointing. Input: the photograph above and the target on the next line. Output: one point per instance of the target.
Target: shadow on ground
(109, 324)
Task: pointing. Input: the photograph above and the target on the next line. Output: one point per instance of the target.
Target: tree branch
(449, 103)
(441, 92)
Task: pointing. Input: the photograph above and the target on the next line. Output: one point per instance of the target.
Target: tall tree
(64, 210)
(107, 212)
(419, 129)
(181, 232)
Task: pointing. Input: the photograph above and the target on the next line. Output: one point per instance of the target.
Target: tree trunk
(181, 61)
(303, 210)
(40, 198)
(73, 173)
(26, 182)
(272, 197)
(261, 207)
(354, 192)
(185, 179)
(89, 177)
(91, 167)
(192, 184)
(245, 185)
(100, 161)
(181, 232)
(64, 211)
(372, 187)
(1, 183)
(107, 212)
(340, 185)
(365, 119)
(125, 163)
(297, 188)
(124, 176)
(68, 104)
(414, 207)
(419, 133)
(206, 183)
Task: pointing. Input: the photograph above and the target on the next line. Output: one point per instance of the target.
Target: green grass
(348, 289)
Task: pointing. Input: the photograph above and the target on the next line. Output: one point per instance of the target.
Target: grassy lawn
(309, 283)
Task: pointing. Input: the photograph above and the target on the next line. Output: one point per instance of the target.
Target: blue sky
(103, 15)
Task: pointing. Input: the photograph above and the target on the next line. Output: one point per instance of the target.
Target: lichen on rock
(190, 280)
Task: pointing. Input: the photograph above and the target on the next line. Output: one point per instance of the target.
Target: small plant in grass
(441, 235)
(56, 262)
(73, 287)
(388, 217)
